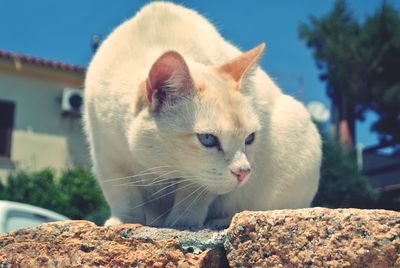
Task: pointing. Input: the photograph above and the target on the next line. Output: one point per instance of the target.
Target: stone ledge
(315, 237)
(75, 243)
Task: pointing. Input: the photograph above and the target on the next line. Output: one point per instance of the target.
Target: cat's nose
(241, 173)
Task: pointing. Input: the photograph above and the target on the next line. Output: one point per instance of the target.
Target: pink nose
(241, 174)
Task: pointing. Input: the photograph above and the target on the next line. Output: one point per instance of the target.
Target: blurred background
(340, 58)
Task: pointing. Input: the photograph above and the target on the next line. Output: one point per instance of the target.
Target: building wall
(42, 137)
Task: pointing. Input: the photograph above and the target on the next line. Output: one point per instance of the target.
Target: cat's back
(163, 26)
(156, 28)
(124, 59)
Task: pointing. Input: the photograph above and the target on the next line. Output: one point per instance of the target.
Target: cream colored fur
(151, 166)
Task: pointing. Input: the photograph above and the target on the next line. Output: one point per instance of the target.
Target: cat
(185, 130)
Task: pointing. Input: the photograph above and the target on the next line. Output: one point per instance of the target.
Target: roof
(42, 62)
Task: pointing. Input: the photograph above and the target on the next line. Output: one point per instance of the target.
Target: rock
(83, 244)
(315, 237)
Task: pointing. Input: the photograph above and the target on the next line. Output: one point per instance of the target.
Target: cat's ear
(241, 65)
(168, 79)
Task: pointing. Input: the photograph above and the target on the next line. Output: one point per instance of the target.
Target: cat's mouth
(221, 185)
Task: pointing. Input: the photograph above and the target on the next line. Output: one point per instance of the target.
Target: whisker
(163, 179)
(141, 173)
(133, 184)
(136, 184)
(171, 184)
(196, 199)
(153, 168)
(175, 205)
(151, 183)
(129, 177)
(161, 196)
(191, 204)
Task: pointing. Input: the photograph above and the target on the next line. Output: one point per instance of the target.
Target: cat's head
(199, 120)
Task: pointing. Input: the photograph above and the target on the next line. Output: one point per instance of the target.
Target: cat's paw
(112, 221)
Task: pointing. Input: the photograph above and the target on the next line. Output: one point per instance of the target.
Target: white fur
(125, 141)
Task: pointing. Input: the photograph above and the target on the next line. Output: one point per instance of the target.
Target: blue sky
(62, 30)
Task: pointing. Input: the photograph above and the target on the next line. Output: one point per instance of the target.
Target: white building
(39, 118)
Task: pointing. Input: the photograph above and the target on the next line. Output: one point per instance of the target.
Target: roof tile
(42, 62)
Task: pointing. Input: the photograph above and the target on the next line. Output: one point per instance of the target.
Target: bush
(74, 193)
(342, 185)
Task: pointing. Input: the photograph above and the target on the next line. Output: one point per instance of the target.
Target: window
(6, 126)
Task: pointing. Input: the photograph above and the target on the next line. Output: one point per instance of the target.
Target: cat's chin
(223, 189)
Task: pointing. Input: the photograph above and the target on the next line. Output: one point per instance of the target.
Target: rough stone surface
(314, 237)
(83, 244)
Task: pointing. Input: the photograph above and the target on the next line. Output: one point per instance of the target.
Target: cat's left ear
(241, 65)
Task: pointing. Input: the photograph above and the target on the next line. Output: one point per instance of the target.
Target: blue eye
(208, 140)
(250, 139)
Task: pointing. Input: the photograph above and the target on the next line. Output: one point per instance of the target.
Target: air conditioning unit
(72, 101)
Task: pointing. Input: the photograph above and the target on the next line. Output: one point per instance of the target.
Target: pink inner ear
(170, 65)
(238, 67)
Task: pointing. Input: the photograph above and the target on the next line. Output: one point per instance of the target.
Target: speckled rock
(315, 237)
(83, 244)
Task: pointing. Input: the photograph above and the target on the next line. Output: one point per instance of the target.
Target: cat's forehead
(212, 87)
(222, 107)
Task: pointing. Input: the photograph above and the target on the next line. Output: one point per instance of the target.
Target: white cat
(185, 130)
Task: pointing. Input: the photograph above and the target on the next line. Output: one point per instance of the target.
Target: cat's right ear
(169, 78)
(240, 66)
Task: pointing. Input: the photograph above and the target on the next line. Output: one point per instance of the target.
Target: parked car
(14, 216)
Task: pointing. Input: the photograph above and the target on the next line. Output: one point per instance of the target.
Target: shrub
(342, 185)
(74, 193)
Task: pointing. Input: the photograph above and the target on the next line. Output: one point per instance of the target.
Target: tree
(342, 184)
(359, 61)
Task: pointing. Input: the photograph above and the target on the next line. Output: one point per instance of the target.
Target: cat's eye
(208, 140)
(250, 139)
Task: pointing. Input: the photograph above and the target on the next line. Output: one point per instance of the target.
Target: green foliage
(342, 185)
(359, 60)
(74, 193)
(80, 192)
